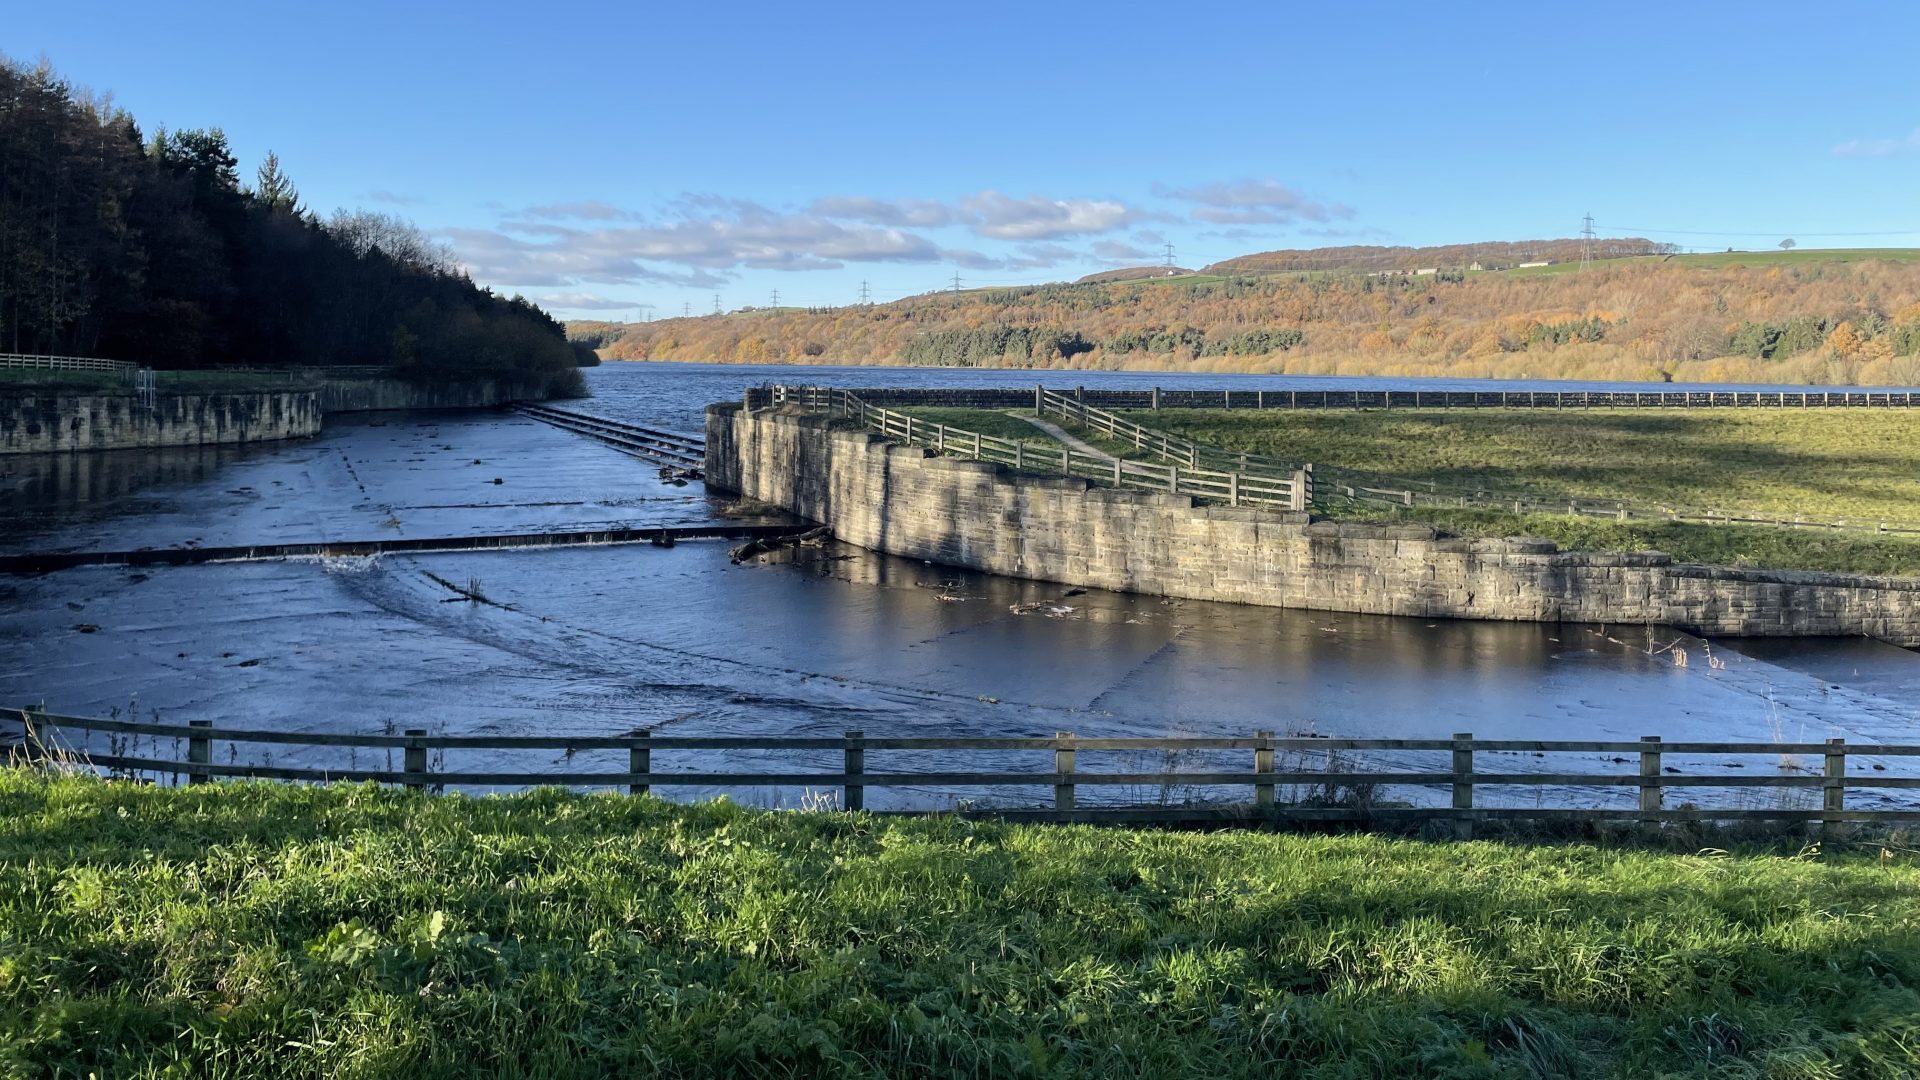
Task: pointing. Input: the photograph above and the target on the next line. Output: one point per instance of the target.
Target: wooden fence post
(1156, 399)
(1173, 479)
(1652, 796)
(1066, 460)
(940, 438)
(1019, 455)
(976, 446)
(1116, 471)
(639, 762)
(1463, 783)
(199, 752)
(1039, 405)
(1263, 763)
(1303, 487)
(1233, 489)
(1063, 764)
(1833, 795)
(855, 794)
(415, 759)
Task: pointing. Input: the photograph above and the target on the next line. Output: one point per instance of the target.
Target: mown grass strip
(263, 930)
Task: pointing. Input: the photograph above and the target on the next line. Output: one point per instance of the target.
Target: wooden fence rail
(66, 363)
(1161, 398)
(1245, 790)
(1227, 485)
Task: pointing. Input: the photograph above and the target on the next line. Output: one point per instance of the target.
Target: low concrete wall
(43, 423)
(901, 500)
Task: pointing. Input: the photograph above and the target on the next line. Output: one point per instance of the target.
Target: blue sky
(602, 156)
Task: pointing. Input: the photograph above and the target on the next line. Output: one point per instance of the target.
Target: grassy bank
(1823, 463)
(259, 930)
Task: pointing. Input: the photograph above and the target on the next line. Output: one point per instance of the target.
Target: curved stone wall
(903, 501)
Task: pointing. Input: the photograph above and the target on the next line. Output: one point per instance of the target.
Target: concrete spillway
(662, 447)
(44, 562)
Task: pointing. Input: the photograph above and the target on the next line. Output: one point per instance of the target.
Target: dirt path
(1061, 433)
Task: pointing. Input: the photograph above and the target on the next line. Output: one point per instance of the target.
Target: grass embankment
(1001, 425)
(1824, 464)
(265, 930)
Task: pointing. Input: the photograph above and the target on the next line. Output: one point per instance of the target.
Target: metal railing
(1243, 776)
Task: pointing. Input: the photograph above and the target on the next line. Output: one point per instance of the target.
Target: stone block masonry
(45, 423)
(903, 501)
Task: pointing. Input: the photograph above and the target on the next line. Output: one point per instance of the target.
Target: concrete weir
(44, 562)
(904, 501)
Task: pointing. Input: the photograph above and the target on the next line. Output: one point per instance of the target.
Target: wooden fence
(66, 363)
(1235, 488)
(1161, 398)
(1248, 790)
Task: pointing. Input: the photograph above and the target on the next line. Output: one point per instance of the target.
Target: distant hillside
(1795, 317)
(1133, 273)
(1499, 254)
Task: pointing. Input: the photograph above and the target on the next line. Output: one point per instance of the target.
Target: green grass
(1855, 464)
(1720, 259)
(1002, 425)
(1821, 463)
(1715, 545)
(253, 930)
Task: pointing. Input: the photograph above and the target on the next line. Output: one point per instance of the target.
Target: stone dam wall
(904, 501)
(45, 423)
(374, 395)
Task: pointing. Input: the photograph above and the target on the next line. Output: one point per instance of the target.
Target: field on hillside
(250, 930)
(1790, 318)
(1724, 259)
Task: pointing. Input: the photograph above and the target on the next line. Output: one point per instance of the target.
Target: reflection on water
(811, 642)
(46, 489)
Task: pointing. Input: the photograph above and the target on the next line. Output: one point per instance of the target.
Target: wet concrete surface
(814, 642)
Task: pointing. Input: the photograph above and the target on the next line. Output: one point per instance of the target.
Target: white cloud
(577, 301)
(704, 235)
(1253, 202)
(1115, 251)
(1886, 147)
(915, 213)
(584, 211)
(1036, 217)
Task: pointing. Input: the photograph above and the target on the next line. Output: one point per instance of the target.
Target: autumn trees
(1636, 321)
(151, 249)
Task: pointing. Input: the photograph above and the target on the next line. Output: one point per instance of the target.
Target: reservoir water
(681, 640)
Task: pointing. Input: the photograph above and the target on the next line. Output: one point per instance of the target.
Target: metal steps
(661, 447)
